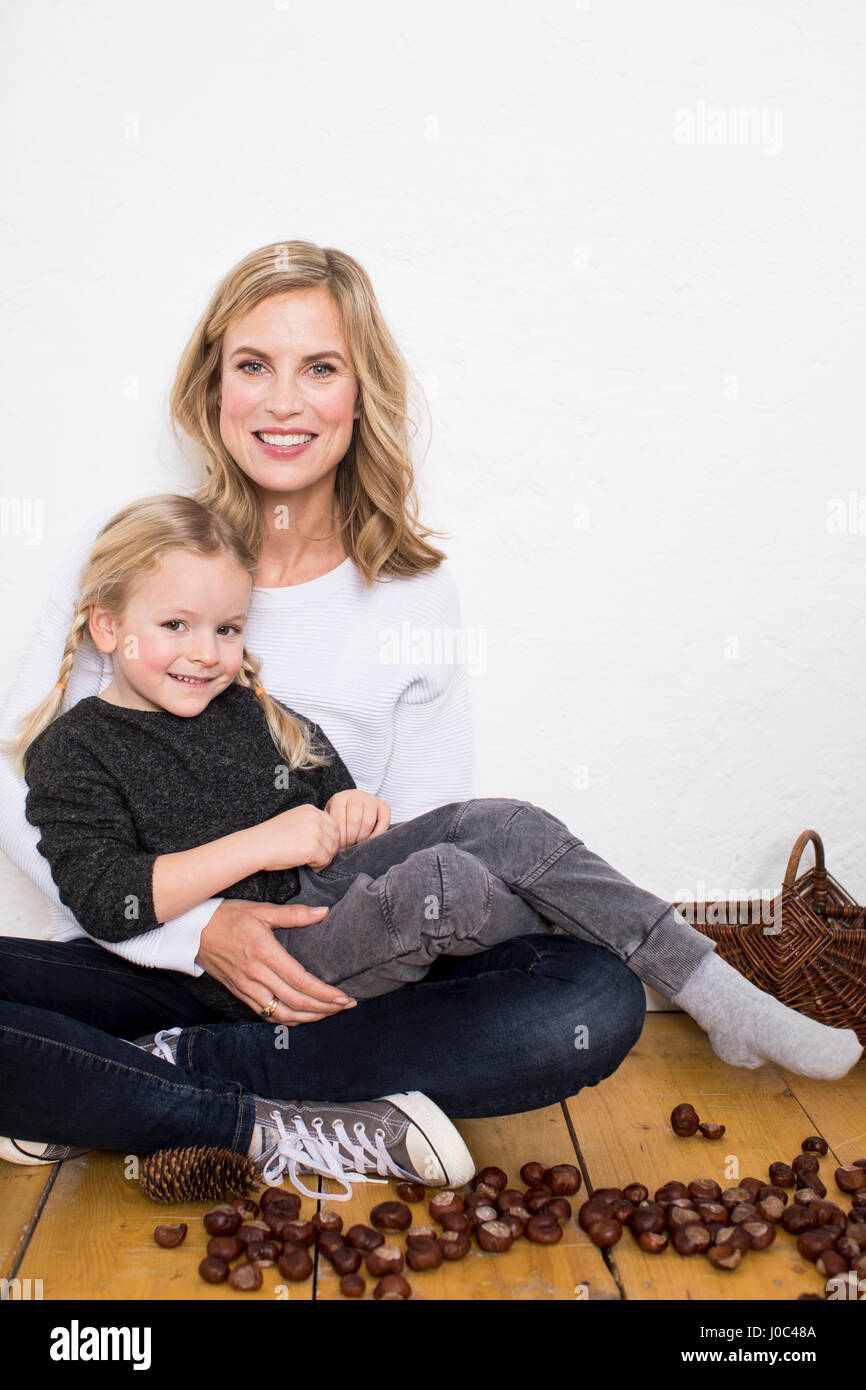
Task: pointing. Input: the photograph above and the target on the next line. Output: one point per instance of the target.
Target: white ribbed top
(374, 667)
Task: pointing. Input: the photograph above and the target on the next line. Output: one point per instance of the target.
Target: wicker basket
(807, 946)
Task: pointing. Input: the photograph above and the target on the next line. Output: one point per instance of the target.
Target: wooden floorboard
(21, 1191)
(85, 1228)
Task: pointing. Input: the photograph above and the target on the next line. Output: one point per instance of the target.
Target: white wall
(638, 312)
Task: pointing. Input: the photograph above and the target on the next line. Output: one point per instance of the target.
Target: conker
(328, 1242)
(670, 1191)
(170, 1236)
(564, 1179)
(603, 1233)
(222, 1221)
(246, 1277)
(245, 1206)
(814, 1144)
(593, 1209)
(279, 1194)
(781, 1175)
(460, 1221)
(811, 1243)
(712, 1213)
(253, 1232)
(770, 1209)
(760, 1233)
(393, 1286)
(692, 1239)
(705, 1189)
(532, 1173)
(393, 1216)
(725, 1256)
(829, 1214)
(510, 1197)
(516, 1218)
(561, 1209)
(545, 1230)
(732, 1237)
(347, 1260)
(424, 1252)
(652, 1241)
(454, 1244)
(440, 1204)
(645, 1220)
(352, 1285)
(848, 1248)
(830, 1262)
(213, 1270)
(385, 1259)
(710, 1130)
(264, 1252)
(635, 1192)
(411, 1191)
(798, 1218)
(364, 1237)
(494, 1235)
(295, 1264)
(327, 1221)
(733, 1196)
(684, 1120)
(224, 1247)
(295, 1232)
(493, 1177)
(850, 1178)
(537, 1197)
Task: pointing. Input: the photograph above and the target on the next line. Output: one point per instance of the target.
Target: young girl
(185, 779)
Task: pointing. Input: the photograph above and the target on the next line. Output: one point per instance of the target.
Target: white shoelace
(301, 1148)
(161, 1047)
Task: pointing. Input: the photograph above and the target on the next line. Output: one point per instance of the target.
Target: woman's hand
(304, 835)
(238, 949)
(358, 816)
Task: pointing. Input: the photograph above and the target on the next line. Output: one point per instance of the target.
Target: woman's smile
(279, 444)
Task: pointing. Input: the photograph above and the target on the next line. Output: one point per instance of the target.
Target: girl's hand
(358, 816)
(304, 835)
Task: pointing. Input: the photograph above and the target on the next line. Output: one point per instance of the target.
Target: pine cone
(190, 1175)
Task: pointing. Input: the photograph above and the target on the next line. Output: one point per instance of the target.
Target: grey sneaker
(34, 1153)
(401, 1136)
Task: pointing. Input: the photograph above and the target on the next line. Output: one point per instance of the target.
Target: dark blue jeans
(522, 1025)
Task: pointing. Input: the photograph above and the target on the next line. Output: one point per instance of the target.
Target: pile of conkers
(489, 1212)
(241, 1245)
(701, 1218)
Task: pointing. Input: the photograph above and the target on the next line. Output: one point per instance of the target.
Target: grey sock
(748, 1027)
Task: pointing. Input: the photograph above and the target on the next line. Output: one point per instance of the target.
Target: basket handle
(820, 879)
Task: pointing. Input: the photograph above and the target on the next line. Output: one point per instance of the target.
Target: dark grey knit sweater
(111, 789)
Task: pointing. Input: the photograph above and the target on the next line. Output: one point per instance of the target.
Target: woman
(295, 392)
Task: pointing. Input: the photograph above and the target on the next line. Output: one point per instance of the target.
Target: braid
(292, 738)
(52, 706)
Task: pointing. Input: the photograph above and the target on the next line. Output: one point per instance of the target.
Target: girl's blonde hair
(131, 544)
(375, 483)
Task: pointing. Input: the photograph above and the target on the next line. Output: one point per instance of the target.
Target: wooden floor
(85, 1229)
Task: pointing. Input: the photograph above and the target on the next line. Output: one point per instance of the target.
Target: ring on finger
(270, 1007)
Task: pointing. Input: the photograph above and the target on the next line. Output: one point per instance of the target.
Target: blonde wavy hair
(375, 483)
(132, 543)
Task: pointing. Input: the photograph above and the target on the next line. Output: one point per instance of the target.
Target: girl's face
(180, 641)
(289, 396)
